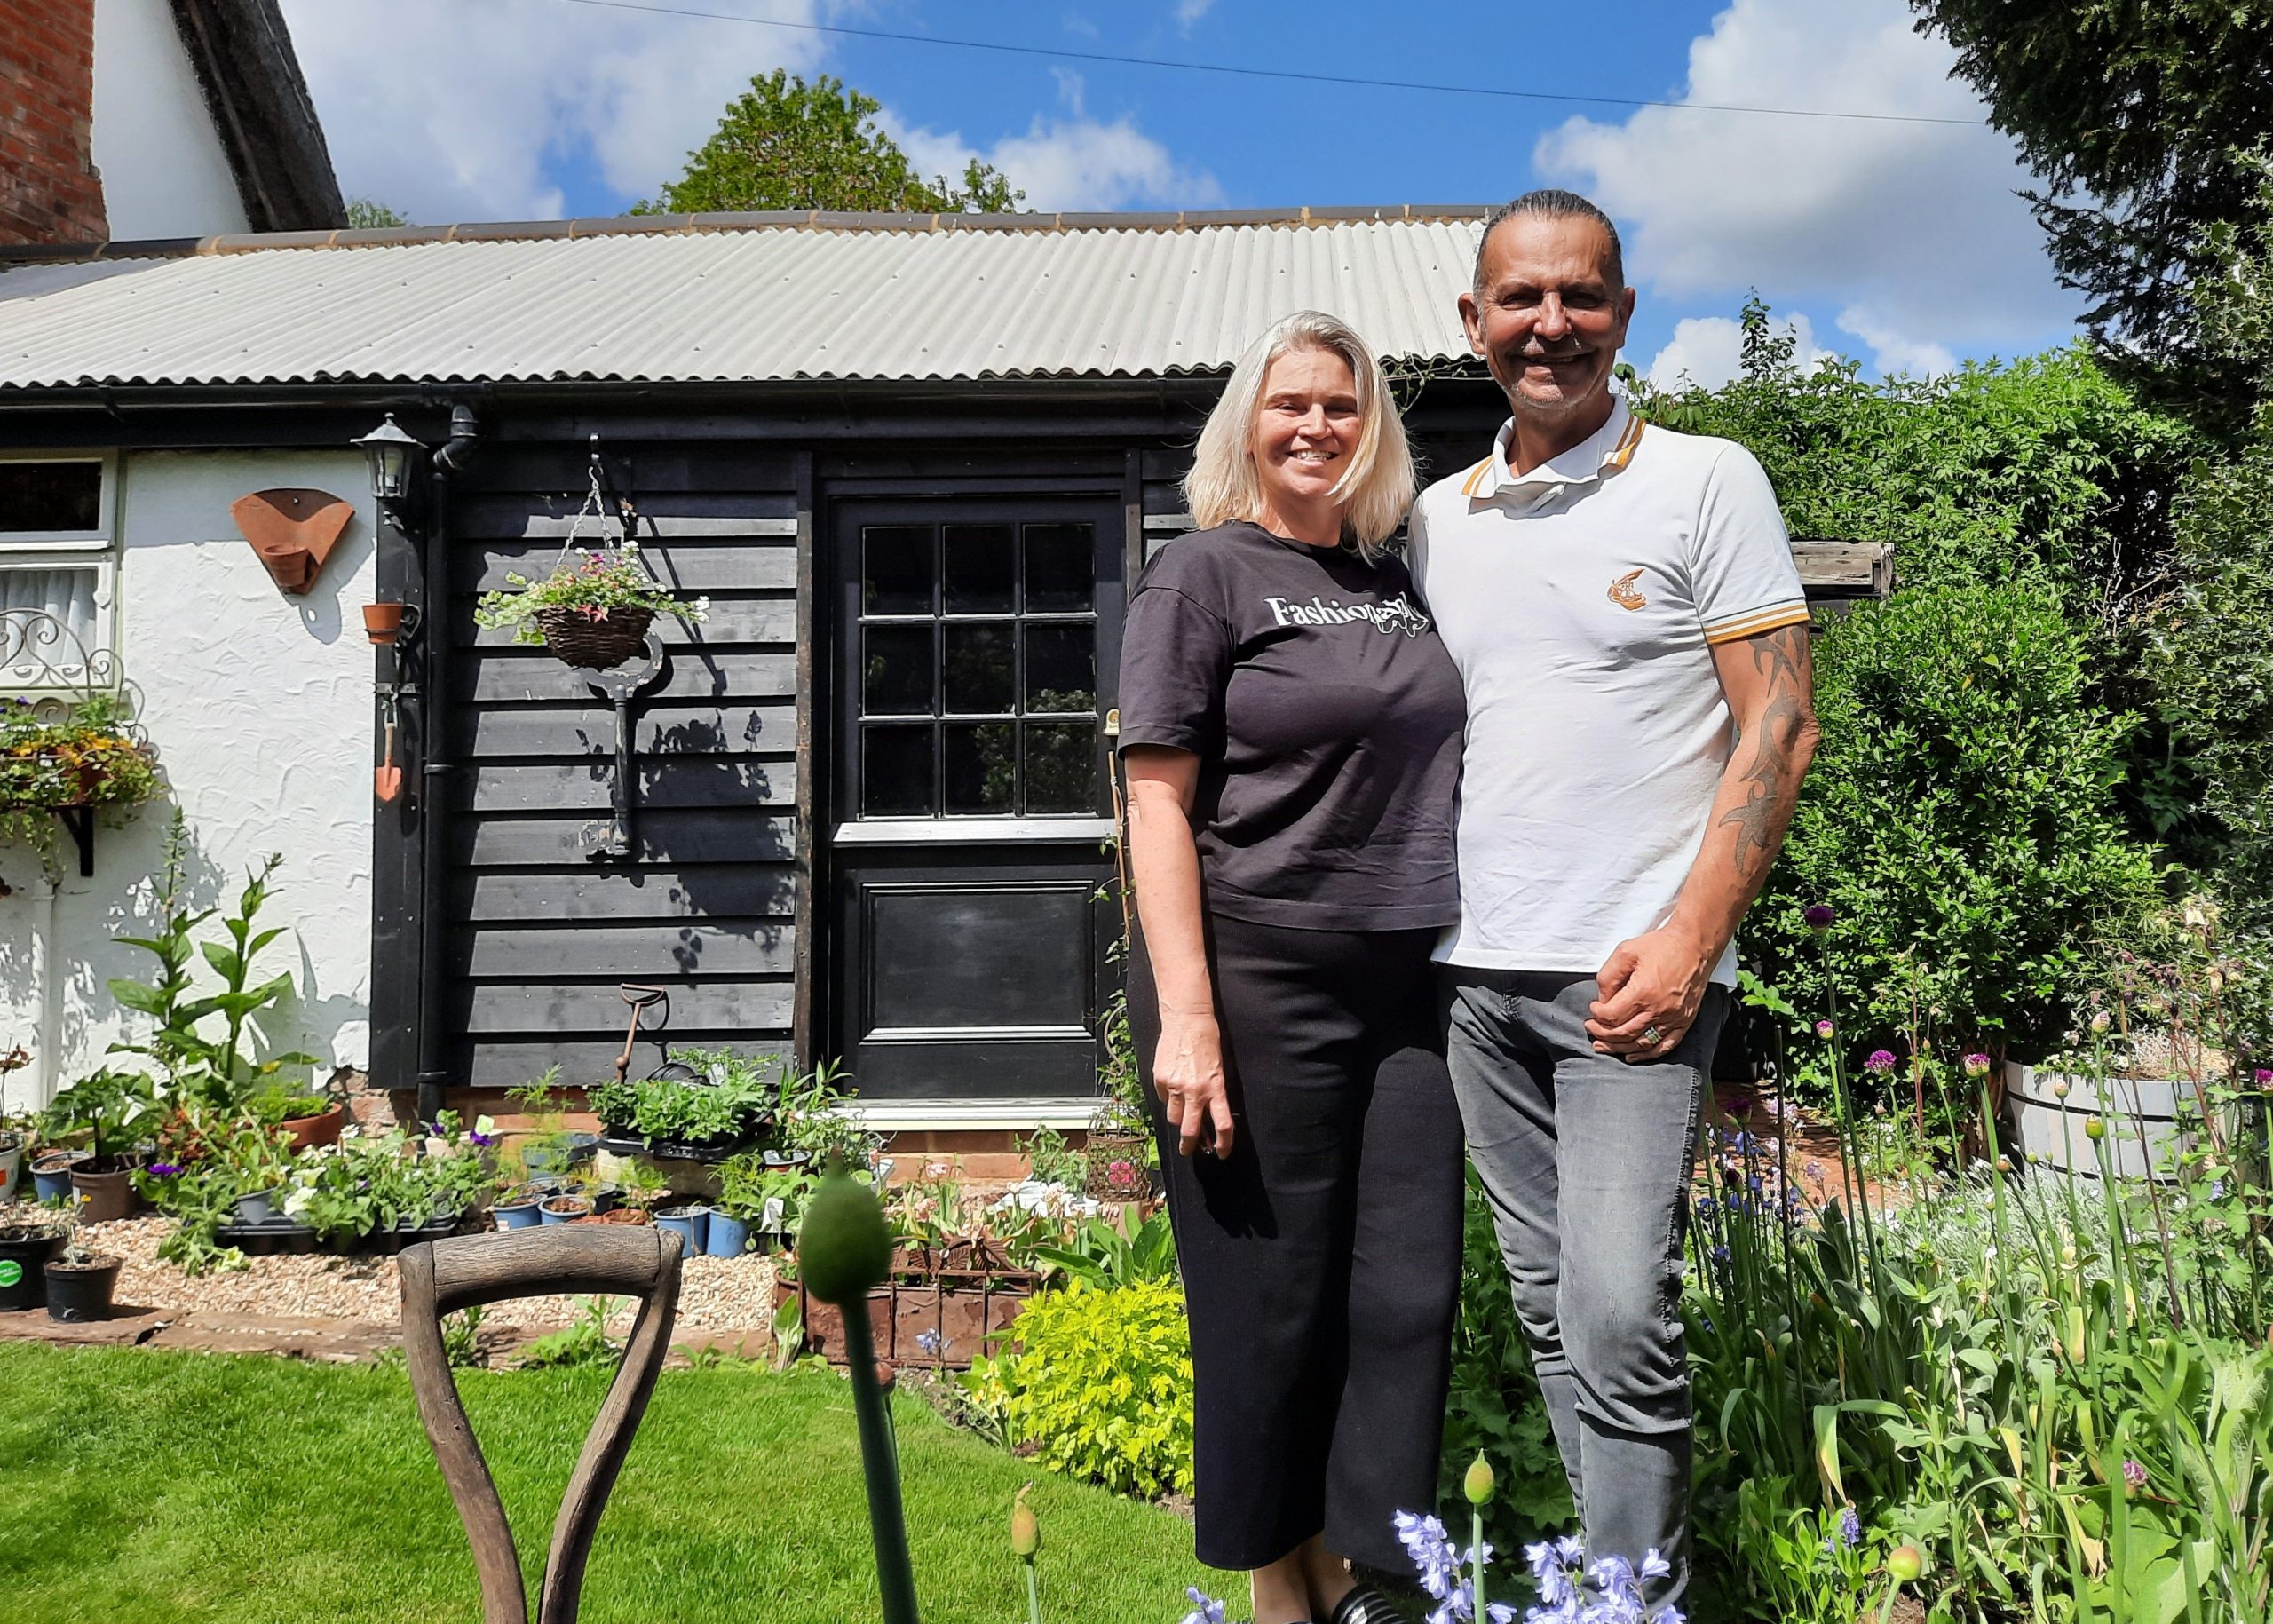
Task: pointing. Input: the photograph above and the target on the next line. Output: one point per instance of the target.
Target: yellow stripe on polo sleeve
(1751, 624)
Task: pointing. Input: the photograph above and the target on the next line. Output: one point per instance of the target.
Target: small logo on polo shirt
(1623, 592)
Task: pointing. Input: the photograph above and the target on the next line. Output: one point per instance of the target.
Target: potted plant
(80, 1283)
(112, 1108)
(28, 1240)
(306, 1120)
(547, 1147)
(691, 1219)
(594, 609)
(88, 756)
(51, 1174)
(736, 1216)
(516, 1206)
(565, 1208)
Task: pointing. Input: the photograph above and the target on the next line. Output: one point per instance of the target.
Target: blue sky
(1899, 242)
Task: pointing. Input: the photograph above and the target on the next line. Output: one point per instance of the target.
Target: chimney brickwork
(49, 189)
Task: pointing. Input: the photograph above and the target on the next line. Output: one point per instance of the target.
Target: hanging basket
(577, 639)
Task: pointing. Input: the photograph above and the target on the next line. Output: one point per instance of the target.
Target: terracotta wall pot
(81, 1292)
(383, 622)
(104, 1198)
(309, 1131)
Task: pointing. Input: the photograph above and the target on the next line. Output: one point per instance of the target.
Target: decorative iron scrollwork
(38, 652)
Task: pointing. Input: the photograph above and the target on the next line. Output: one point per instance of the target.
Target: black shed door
(975, 647)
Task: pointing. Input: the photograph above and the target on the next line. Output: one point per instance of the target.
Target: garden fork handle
(649, 996)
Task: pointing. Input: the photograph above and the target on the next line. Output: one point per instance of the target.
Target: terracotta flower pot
(383, 622)
(322, 1128)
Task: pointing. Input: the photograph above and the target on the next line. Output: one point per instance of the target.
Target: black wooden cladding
(540, 934)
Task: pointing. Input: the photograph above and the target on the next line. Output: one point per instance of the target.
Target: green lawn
(149, 1486)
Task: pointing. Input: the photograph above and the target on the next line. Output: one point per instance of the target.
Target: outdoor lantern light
(393, 456)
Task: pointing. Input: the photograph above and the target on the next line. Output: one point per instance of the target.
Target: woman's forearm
(1164, 861)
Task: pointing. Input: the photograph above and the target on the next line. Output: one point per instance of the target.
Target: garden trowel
(387, 781)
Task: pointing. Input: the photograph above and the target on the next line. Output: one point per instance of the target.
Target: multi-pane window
(57, 561)
(978, 669)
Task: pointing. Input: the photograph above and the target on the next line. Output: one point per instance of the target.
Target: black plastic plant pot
(78, 1293)
(24, 1254)
(277, 1238)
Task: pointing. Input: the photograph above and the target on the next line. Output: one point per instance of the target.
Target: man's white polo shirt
(1581, 602)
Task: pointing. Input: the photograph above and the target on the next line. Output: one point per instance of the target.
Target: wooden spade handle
(441, 1276)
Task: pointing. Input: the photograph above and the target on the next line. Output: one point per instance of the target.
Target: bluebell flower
(930, 1342)
(1426, 1542)
(1719, 1255)
(1850, 1528)
(1205, 1608)
(1706, 1208)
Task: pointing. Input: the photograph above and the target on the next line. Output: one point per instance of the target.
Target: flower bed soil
(715, 1293)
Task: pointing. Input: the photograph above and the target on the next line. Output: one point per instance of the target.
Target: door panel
(975, 640)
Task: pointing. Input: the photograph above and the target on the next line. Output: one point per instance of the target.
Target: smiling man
(1632, 637)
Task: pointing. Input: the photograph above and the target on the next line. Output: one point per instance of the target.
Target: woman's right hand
(1188, 1076)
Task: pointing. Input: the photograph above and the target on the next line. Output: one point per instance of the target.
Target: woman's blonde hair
(1375, 488)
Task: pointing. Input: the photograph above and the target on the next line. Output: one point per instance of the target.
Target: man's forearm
(1772, 691)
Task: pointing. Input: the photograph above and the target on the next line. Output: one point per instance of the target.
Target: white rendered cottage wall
(165, 173)
(260, 705)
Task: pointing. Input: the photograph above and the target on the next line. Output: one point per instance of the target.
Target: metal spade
(388, 780)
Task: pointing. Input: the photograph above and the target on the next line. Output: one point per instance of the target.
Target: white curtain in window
(67, 593)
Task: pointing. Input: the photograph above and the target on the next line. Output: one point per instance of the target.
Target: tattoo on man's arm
(1759, 822)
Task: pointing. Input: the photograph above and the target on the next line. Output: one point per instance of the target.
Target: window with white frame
(59, 558)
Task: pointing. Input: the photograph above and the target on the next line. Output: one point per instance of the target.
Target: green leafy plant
(1100, 1387)
(1052, 1161)
(113, 1108)
(615, 1103)
(87, 757)
(583, 1342)
(595, 585)
(214, 1068)
(1105, 1256)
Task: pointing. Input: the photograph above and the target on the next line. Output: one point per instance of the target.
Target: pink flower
(1881, 1061)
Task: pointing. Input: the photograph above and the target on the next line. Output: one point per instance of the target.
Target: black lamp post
(393, 456)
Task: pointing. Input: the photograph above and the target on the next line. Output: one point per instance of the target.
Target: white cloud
(1071, 163)
(1895, 351)
(1190, 12)
(448, 110)
(1914, 228)
(1708, 350)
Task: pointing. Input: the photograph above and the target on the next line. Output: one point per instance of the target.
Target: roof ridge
(692, 225)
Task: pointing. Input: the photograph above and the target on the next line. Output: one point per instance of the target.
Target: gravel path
(716, 1293)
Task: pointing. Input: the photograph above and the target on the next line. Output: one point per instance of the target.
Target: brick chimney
(49, 189)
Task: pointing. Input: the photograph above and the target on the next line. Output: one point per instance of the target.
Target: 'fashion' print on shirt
(1398, 614)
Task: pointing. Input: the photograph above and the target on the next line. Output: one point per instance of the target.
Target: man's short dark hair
(1554, 203)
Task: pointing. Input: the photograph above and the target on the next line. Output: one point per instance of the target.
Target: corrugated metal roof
(733, 297)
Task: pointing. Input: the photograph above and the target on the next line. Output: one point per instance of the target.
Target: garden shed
(864, 810)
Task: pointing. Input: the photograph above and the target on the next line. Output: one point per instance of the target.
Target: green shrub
(1101, 1386)
(1961, 821)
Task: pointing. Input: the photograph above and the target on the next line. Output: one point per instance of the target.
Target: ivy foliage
(785, 144)
(2044, 469)
(1961, 821)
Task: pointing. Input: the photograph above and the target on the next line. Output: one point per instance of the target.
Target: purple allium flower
(2134, 1475)
(1881, 1061)
(1205, 1608)
(1823, 1029)
(1818, 916)
(2263, 1077)
(162, 1170)
(1976, 1065)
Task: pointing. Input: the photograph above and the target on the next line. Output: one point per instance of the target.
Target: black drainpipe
(432, 1073)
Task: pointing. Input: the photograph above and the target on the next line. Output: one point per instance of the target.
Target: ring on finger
(1651, 1035)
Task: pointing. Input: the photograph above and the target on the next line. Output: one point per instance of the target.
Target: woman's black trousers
(1321, 1257)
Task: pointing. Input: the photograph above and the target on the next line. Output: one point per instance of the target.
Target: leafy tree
(785, 144)
(365, 215)
(2139, 119)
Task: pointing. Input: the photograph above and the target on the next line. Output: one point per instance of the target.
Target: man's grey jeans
(1585, 1159)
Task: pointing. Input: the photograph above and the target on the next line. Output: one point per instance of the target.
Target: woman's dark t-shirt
(1326, 717)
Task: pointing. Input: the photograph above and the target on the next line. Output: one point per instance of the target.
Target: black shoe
(1366, 1605)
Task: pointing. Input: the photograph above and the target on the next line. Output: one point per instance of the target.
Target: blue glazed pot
(580, 1206)
(692, 1223)
(518, 1215)
(729, 1236)
(54, 1186)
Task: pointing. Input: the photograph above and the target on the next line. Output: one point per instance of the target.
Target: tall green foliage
(1960, 819)
(785, 144)
(2138, 119)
